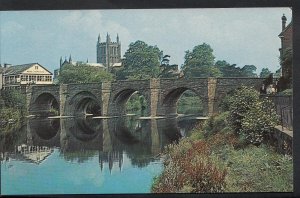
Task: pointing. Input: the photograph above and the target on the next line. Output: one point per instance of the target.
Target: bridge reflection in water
(80, 139)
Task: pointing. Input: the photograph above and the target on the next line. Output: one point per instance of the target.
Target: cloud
(242, 36)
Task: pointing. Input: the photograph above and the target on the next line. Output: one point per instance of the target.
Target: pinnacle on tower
(60, 61)
(70, 59)
(107, 38)
(99, 39)
(118, 38)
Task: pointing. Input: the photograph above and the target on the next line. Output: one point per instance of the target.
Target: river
(87, 155)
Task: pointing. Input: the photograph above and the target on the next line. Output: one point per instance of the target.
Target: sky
(242, 36)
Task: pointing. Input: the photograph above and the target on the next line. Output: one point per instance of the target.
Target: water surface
(86, 155)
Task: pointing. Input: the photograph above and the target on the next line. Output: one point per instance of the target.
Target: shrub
(239, 103)
(189, 168)
(251, 117)
(259, 121)
(215, 124)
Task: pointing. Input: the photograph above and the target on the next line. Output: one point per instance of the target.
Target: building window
(36, 67)
(48, 78)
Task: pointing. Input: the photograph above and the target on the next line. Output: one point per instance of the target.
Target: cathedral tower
(108, 52)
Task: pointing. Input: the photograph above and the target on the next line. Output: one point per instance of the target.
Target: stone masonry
(161, 95)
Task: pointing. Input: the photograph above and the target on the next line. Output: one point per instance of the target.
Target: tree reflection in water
(80, 139)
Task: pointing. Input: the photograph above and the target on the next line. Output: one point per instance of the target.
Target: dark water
(86, 155)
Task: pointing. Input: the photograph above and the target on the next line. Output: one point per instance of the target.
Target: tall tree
(167, 70)
(248, 71)
(227, 69)
(265, 72)
(141, 61)
(83, 73)
(200, 62)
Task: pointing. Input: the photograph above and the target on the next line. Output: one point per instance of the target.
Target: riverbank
(215, 159)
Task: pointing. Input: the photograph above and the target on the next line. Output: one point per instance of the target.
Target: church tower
(108, 52)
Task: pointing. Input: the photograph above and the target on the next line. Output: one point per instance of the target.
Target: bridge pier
(211, 92)
(154, 96)
(106, 94)
(109, 98)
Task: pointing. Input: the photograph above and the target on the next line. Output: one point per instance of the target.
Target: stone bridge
(109, 98)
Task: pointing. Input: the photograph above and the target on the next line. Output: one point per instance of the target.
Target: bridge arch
(44, 131)
(171, 98)
(84, 103)
(85, 129)
(119, 100)
(45, 104)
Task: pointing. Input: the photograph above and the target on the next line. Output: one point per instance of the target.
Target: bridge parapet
(161, 94)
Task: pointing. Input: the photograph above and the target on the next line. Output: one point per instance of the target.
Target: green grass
(258, 169)
(248, 168)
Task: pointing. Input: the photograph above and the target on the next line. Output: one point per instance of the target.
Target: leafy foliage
(12, 107)
(229, 70)
(190, 169)
(167, 70)
(250, 116)
(265, 72)
(200, 62)
(248, 71)
(82, 73)
(141, 61)
(136, 104)
(259, 120)
(13, 98)
(189, 103)
(216, 124)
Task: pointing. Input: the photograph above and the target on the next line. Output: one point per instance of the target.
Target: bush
(190, 169)
(251, 117)
(240, 102)
(216, 124)
(259, 122)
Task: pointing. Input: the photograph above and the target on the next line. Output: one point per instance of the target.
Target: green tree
(200, 62)
(248, 71)
(83, 73)
(14, 98)
(227, 69)
(141, 61)
(265, 72)
(167, 70)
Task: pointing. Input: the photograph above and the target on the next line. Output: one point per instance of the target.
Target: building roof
(285, 29)
(18, 69)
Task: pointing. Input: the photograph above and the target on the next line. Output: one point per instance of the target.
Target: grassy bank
(228, 153)
(221, 162)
